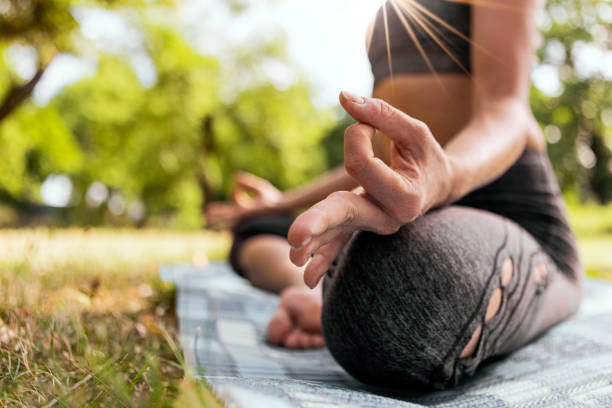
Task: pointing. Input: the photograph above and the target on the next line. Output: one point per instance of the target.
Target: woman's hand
(252, 195)
(419, 178)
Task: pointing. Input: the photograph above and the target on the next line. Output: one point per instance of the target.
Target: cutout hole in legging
(492, 309)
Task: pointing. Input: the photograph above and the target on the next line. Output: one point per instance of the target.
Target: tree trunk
(207, 146)
(601, 181)
(19, 93)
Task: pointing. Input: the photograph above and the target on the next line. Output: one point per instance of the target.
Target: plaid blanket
(223, 319)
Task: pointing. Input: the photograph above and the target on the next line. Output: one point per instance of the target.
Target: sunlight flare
(415, 16)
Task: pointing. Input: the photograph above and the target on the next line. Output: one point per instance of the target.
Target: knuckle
(345, 201)
(414, 208)
(349, 132)
(351, 214)
(351, 129)
(320, 211)
(385, 110)
(340, 196)
(421, 127)
(353, 164)
(409, 210)
(398, 214)
(390, 227)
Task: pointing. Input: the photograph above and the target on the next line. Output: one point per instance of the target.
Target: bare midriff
(443, 103)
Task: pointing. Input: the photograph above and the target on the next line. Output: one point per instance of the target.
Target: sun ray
(449, 27)
(432, 26)
(370, 35)
(476, 82)
(426, 26)
(443, 35)
(418, 44)
(412, 11)
(389, 59)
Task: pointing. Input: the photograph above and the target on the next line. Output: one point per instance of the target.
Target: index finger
(398, 126)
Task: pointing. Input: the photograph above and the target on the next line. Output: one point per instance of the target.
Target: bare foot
(296, 324)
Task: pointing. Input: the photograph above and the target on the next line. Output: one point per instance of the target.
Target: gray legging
(398, 310)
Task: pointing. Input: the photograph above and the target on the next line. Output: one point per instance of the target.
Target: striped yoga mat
(222, 327)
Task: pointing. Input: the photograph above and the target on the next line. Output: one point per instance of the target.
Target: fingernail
(308, 280)
(306, 242)
(353, 98)
(315, 260)
(303, 244)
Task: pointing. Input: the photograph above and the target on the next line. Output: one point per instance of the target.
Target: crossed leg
(427, 305)
(296, 323)
(264, 260)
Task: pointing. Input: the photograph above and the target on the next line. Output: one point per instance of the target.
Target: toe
(279, 327)
(304, 308)
(293, 340)
(305, 340)
(318, 341)
(314, 341)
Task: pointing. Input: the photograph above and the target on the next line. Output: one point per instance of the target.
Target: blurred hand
(251, 195)
(418, 179)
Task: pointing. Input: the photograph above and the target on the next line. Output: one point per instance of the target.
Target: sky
(325, 39)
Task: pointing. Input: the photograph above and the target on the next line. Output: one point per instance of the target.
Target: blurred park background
(121, 119)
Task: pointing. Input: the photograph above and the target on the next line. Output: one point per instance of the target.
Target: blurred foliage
(169, 146)
(47, 27)
(155, 151)
(578, 122)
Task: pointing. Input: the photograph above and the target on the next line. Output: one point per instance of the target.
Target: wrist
(285, 203)
(458, 178)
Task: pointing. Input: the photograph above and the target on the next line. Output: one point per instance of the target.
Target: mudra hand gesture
(418, 178)
(252, 195)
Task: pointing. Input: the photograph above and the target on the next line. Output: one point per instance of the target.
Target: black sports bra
(405, 55)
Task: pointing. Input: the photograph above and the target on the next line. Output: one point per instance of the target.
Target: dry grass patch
(85, 320)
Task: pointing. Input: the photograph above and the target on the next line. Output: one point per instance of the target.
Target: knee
(395, 306)
(248, 229)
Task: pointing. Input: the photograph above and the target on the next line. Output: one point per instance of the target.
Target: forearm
(487, 147)
(317, 190)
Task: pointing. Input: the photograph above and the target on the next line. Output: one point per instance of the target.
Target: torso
(443, 102)
(446, 111)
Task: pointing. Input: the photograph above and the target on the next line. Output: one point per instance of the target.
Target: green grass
(85, 320)
(593, 227)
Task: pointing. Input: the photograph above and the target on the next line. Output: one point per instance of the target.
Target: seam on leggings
(480, 302)
(515, 272)
(508, 292)
(483, 344)
(512, 312)
(511, 334)
(516, 268)
(525, 286)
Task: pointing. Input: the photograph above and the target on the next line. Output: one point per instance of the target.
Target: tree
(168, 145)
(47, 26)
(577, 118)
